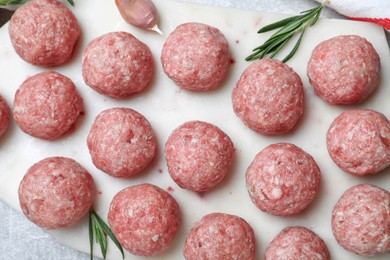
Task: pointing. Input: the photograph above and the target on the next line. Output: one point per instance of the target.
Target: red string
(384, 22)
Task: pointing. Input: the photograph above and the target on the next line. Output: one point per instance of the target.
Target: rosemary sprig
(98, 227)
(288, 28)
(20, 2)
(13, 2)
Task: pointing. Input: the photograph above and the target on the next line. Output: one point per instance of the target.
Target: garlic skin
(140, 13)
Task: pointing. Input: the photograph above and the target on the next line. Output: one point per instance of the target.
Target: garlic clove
(140, 13)
(156, 29)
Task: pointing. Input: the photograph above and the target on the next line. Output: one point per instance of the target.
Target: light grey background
(22, 240)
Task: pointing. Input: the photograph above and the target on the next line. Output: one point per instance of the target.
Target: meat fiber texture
(358, 141)
(5, 115)
(196, 56)
(198, 155)
(283, 179)
(56, 192)
(117, 64)
(121, 142)
(297, 243)
(144, 219)
(269, 97)
(47, 105)
(44, 32)
(361, 220)
(220, 236)
(344, 69)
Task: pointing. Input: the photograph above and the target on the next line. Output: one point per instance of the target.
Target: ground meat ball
(283, 179)
(220, 236)
(4, 116)
(198, 155)
(117, 65)
(44, 32)
(196, 56)
(297, 243)
(144, 219)
(121, 142)
(47, 105)
(56, 192)
(268, 97)
(344, 69)
(361, 220)
(359, 141)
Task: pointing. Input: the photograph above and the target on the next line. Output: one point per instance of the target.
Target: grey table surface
(22, 240)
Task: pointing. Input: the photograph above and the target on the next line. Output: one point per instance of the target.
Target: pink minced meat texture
(361, 220)
(117, 64)
(47, 105)
(5, 115)
(283, 179)
(144, 219)
(269, 97)
(220, 236)
(196, 56)
(358, 141)
(198, 155)
(344, 69)
(297, 243)
(121, 142)
(56, 192)
(44, 32)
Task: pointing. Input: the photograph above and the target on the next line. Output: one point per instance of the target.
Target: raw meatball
(117, 65)
(268, 97)
(56, 192)
(220, 236)
(44, 32)
(359, 141)
(198, 155)
(283, 179)
(4, 116)
(144, 219)
(344, 69)
(47, 105)
(361, 220)
(121, 142)
(196, 56)
(296, 243)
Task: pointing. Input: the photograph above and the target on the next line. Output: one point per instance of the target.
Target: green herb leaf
(101, 230)
(12, 2)
(100, 238)
(108, 231)
(294, 50)
(276, 25)
(315, 19)
(309, 11)
(90, 229)
(288, 27)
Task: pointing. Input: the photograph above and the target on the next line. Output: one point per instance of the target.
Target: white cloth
(375, 11)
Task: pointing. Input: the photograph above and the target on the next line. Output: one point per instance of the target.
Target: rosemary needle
(288, 27)
(98, 227)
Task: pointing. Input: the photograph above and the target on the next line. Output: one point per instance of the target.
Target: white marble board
(166, 107)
